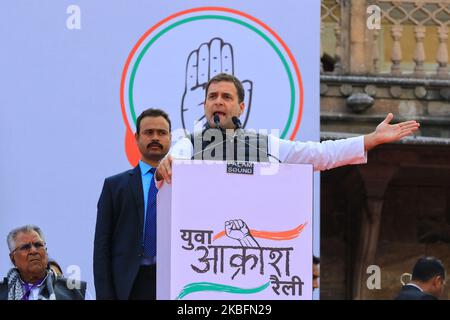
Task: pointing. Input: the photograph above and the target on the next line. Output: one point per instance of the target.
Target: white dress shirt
(414, 285)
(322, 155)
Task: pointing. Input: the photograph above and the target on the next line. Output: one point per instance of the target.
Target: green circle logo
(223, 61)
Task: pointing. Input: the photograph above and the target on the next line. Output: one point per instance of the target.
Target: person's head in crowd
(429, 274)
(55, 267)
(153, 135)
(28, 253)
(32, 278)
(224, 96)
(316, 272)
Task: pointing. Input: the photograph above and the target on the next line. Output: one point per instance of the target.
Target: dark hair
(316, 260)
(152, 113)
(228, 78)
(427, 268)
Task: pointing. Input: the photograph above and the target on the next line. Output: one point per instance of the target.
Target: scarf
(16, 289)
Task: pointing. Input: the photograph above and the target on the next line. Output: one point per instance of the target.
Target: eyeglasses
(27, 247)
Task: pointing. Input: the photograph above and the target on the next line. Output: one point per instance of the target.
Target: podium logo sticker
(241, 167)
(244, 255)
(172, 61)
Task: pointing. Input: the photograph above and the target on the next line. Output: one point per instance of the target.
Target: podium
(235, 230)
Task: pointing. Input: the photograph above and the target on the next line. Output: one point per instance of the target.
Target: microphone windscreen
(216, 120)
(236, 122)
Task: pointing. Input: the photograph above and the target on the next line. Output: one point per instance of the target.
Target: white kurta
(322, 155)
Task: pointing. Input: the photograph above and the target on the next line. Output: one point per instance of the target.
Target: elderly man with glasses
(31, 278)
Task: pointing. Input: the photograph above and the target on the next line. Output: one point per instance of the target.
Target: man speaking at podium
(224, 139)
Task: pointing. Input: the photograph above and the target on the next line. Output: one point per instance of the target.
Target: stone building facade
(397, 207)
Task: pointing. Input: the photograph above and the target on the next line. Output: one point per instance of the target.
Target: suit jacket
(412, 293)
(62, 292)
(118, 235)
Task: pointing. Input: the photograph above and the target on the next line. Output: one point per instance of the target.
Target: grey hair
(12, 235)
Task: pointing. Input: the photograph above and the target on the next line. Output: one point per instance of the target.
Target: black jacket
(62, 291)
(412, 293)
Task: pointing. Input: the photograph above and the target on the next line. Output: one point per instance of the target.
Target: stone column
(376, 179)
(358, 41)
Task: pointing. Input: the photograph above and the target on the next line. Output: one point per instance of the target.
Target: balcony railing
(412, 38)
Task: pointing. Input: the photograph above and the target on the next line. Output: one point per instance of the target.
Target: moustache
(151, 144)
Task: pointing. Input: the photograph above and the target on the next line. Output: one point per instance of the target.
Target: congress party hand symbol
(210, 59)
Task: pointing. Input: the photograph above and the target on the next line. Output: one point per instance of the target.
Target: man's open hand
(385, 132)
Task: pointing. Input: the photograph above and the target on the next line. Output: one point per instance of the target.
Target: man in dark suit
(125, 233)
(427, 281)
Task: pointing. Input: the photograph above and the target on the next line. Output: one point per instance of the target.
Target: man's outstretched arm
(385, 132)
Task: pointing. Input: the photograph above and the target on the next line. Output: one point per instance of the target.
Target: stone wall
(415, 219)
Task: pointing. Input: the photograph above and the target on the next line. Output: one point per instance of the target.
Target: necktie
(150, 220)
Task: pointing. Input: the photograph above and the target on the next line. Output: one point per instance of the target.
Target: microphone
(217, 121)
(238, 138)
(236, 122)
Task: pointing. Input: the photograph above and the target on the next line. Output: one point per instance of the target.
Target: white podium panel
(225, 235)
